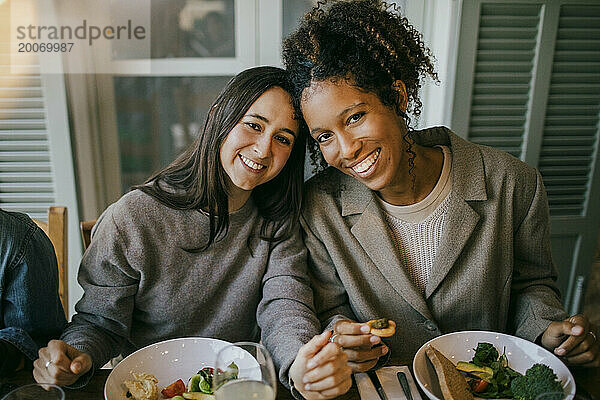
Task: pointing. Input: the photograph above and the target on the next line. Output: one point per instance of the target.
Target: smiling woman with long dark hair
(201, 180)
(209, 246)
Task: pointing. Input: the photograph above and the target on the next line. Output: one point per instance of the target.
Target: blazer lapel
(372, 233)
(468, 184)
(459, 225)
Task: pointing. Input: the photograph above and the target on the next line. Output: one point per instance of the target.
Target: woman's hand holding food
(60, 364)
(320, 370)
(360, 344)
(573, 339)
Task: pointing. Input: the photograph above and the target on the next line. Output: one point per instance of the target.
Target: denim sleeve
(32, 313)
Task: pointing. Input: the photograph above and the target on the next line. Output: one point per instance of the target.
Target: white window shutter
(528, 82)
(36, 161)
(505, 55)
(571, 124)
(26, 177)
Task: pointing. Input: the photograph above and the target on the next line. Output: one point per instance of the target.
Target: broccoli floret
(539, 379)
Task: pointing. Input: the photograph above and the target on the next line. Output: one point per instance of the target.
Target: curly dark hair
(365, 42)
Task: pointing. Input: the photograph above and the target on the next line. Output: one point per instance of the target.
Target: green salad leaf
(485, 355)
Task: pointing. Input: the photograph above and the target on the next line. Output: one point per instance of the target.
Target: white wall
(438, 21)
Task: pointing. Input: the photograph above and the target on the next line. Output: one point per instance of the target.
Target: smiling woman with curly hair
(364, 44)
(422, 227)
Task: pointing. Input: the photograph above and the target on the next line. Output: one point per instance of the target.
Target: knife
(404, 383)
(375, 380)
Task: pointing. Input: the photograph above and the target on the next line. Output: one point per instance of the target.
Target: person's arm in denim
(32, 313)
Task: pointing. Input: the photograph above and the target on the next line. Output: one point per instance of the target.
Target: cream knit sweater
(417, 228)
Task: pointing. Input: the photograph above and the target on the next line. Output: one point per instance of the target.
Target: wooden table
(587, 380)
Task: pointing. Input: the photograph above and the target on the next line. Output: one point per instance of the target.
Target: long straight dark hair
(196, 179)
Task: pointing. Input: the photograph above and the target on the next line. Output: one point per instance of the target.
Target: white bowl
(459, 346)
(168, 361)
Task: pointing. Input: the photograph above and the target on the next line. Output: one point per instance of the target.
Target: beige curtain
(93, 125)
(94, 138)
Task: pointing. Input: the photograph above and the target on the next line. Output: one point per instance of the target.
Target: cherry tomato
(174, 389)
(478, 385)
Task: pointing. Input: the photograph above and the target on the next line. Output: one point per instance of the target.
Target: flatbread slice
(454, 386)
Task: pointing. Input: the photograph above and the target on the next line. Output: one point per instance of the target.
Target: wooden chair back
(86, 232)
(56, 230)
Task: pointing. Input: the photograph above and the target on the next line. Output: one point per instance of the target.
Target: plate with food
(178, 367)
(482, 364)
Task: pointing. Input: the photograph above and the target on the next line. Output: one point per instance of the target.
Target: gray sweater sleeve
(103, 319)
(286, 313)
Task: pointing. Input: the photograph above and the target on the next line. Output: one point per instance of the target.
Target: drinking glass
(244, 371)
(36, 391)
(550, 396)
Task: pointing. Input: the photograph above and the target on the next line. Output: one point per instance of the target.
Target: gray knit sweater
(141, 286)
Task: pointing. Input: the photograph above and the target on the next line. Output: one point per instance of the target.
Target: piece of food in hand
(382, 327)
(537, 380)
(142, 387)
(454, 386)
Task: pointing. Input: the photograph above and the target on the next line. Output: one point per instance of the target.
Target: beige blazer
(493, 270)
